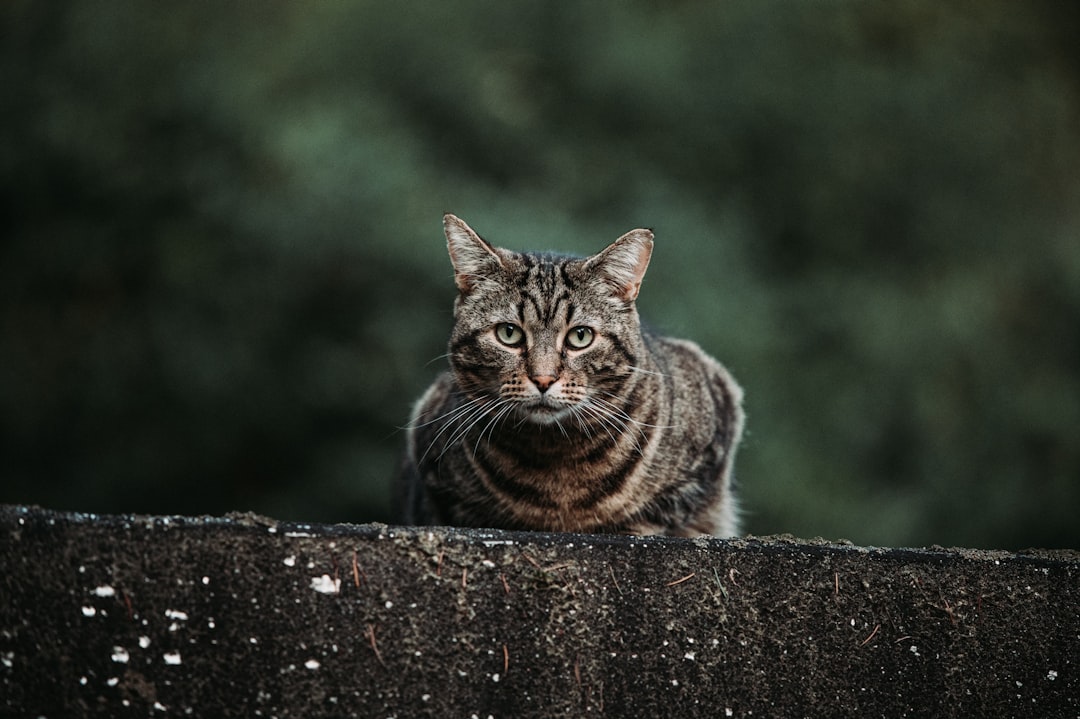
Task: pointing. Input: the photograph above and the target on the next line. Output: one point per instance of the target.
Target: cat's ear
(623, 263)
(473, 259)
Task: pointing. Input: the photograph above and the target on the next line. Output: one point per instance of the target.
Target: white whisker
(468, 414)
(642, 370)
(448, 415)
(504, 406)
(470, 421)
(604, 421)
(611, 406)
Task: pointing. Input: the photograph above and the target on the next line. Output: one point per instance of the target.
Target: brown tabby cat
(559, 413)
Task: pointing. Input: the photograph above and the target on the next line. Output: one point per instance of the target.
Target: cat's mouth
(545, 410)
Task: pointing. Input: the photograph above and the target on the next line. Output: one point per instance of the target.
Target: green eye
(580, 337)
(509, 334)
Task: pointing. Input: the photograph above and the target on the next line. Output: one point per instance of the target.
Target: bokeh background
(223, 280)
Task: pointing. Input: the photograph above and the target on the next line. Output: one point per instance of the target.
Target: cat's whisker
(447, 416)
(462, 421)
(624, 420)
(642, 370)
(622, 413)
(561, 428)
(611, 422)
(499, 410)
(470, 421)
(575, 412)
(603, 421)
(433, 360)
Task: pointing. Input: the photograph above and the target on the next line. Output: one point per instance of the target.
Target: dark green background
(224, 280)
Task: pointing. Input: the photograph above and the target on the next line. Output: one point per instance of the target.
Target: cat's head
(547, 336)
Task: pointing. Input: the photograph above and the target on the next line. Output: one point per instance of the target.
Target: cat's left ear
(473, 259)
(623, 263)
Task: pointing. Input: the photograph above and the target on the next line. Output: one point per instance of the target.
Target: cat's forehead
(537, 289)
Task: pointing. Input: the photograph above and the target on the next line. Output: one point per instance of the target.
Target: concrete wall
(178, 616)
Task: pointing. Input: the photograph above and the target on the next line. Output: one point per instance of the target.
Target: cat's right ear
(472, 257)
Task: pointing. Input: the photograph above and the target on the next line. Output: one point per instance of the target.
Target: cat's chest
(577, 486)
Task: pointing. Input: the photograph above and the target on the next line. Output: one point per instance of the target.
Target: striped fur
(560, 413)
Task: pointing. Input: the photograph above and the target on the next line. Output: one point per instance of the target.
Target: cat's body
(560, 414)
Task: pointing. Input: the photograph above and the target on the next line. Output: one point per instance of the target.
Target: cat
(560, 413)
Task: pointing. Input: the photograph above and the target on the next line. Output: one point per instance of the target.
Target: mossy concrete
(245, 616)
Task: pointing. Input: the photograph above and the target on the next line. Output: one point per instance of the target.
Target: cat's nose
(543, 381)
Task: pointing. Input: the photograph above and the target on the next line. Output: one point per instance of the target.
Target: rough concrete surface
(245, 616)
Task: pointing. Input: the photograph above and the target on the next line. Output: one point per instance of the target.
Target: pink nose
(544, 381)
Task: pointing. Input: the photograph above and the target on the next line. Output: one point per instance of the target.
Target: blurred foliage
(224, 281)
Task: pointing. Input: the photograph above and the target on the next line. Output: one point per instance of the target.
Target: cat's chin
(545, 413)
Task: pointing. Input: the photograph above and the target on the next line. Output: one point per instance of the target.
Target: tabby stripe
(621, 347)
(473, 371)
(565, 273)
(535, 303)
(466, 341)
(612, 482)
(722, 406)
(518, 491)
(553, 308)
(525, 279)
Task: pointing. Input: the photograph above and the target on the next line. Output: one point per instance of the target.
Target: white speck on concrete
(312, 664)
(299, 534)
(119, 654)
(1051, 675)
(158, 706)
(112, 681)
(206, 580)
(105, 591)
(689, 656)
(144, 642)
(89, 611)
(495, 677)
(488, 563)
(290, 561)
(172, 658)
(326, 584)
(176, 614)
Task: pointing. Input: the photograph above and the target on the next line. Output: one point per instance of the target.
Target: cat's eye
(580, 337)
(509, 334)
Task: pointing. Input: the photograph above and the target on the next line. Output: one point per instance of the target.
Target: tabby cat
(560, 413)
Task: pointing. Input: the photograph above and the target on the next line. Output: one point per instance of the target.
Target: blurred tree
(224, 280)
